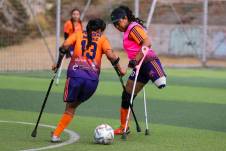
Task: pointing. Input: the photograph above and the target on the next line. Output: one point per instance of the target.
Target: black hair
(94, 25)
(123, 11)
(75, 9)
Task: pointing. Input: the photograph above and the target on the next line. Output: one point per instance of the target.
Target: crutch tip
(124, 136)
(146, 132)
(138, 129)
(34, 133)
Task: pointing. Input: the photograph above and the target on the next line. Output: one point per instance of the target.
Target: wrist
(132, 63)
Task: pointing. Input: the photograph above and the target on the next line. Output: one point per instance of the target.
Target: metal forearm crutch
(59, 72)
(145, 113)
(34, 132)
(131, 107)
(145, 51)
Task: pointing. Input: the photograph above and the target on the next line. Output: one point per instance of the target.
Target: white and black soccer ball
(103, 134)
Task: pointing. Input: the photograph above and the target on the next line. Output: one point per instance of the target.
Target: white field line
(73, 137)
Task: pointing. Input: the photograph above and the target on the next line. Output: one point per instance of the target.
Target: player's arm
(62, 52)
(70, 41)
(64, 49)
(141, 38)
(66, 30)
(112, 57)
(66, 35)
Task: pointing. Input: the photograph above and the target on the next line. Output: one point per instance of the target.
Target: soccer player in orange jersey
(84, 68)
(73, 25)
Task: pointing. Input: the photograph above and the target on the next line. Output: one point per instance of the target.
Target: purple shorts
(151, 70)
(79, 89)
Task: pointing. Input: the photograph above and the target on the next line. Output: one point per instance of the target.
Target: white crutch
(59, 72)
(145, 51)
(145, 113)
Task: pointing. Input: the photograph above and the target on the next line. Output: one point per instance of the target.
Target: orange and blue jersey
(70, 28)
(86, 63)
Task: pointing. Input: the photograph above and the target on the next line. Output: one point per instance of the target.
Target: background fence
(28, 30)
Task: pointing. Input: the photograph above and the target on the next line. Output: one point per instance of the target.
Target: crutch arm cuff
(115, 62)
(62, 52)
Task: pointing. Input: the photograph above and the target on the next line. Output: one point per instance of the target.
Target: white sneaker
(55, 139)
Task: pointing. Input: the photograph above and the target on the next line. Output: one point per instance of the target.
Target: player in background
(74, 24)
(84, 68)
(134, 38)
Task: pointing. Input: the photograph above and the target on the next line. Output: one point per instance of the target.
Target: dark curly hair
(123, 11)
(94, 25)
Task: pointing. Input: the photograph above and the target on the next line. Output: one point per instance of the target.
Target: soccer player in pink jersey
(134, 38)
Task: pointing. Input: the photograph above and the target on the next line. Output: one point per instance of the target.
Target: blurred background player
(134, 38)
(84, 68)
(73, 25)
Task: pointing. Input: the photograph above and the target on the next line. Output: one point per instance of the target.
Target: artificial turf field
(188, 115)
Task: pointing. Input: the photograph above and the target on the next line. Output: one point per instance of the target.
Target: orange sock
(123, 117)
(63, 123)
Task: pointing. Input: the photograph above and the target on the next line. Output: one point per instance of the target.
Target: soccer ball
(103, 134)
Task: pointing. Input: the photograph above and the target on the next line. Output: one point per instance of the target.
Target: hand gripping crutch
(145, 51)
(131, 107)
(145, 113)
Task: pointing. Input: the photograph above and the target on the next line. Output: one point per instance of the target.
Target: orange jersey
(69, 27)
(138, 34)
(91, 57)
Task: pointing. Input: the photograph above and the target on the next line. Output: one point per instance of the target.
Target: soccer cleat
(120, 131)
(55, 139)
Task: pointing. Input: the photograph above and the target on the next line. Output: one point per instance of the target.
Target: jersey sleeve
(106, 45)
(70, 40)
(66, 27)
(138, 34)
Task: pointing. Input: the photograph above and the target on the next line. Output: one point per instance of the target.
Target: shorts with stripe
(151, 70)
(79, 89)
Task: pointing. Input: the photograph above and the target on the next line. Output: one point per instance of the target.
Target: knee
(160, 82)
(72, 105)
(126, 99)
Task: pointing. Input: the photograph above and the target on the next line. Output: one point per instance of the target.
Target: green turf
(18, 137)
(163, 137)
(190, 114)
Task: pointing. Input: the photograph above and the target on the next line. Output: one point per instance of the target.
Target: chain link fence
(28, 30)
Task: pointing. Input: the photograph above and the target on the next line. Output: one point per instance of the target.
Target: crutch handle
(145, 50)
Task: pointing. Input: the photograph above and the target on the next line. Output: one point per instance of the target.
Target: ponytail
(89, 36)
(94, 25)
(123, 11)
(131, 17)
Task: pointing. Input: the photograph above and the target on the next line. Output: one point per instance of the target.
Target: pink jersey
(131, 47)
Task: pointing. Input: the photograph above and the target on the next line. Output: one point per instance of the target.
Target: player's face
(75, 15)
(122, 24)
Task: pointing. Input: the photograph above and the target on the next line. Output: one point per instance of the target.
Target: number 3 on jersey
(92, 53)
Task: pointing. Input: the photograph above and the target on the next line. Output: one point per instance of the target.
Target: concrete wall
(179, 40)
